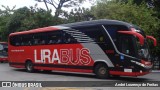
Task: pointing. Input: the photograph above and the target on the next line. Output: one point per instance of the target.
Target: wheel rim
(29, 66)
(102, 70)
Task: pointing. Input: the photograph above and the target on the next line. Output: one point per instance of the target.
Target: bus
(101, 47)
(3, 52)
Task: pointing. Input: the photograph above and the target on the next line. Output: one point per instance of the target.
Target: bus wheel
(29, 66)
(101, 71)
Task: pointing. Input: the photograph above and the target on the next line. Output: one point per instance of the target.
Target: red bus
(104, 47)
(3, 52)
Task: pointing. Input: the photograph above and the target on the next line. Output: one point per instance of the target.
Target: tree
(157, 7)
(58, 4)
(29, 18)
(4, 18)
(139, 15)
(77, 15)
(7, 11)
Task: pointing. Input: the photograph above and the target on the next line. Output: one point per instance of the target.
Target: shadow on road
(127, 79)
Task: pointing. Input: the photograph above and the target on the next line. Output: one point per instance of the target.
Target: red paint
(27, 52)
(146, 63)
(3, 59)
(18, 66)
(127, 73)
(152, 38)
(38, 30)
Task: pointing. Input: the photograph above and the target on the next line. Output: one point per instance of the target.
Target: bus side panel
(14, 57)
(70, 57)
(80, 59)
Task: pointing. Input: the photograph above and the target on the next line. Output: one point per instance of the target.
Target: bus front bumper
(120, 73)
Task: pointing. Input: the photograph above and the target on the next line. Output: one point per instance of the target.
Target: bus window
(37, 39)
(26, 40)
(126, 45)
(15, 40)
(94, 33)
(68, 37)
(54, 37)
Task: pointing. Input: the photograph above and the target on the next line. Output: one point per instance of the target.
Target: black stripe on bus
(14, 63)
(65, 66)
(58, 66)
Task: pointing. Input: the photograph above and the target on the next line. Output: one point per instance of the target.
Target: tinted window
(112, 30)
(68, 38)
(54, 37)
(15, 40)
(92, 34)
(126, 45)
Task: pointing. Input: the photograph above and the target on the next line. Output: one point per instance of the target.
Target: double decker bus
(3, 52)
(103, 47)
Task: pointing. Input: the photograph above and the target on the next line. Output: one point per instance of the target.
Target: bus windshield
(143, 50)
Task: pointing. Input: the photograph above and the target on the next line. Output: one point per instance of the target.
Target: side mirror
(140, 37)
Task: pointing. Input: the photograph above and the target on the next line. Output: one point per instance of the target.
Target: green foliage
(77, 15)
(3, 21)
(139, 15)
(59, 4)
(132, 11)
(4, 18)
(26, 19)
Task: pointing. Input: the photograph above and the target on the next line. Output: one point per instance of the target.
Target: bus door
(126, 46)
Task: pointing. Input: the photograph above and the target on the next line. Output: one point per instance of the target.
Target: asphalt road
(11, 74)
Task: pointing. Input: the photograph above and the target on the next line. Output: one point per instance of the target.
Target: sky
(28, 3)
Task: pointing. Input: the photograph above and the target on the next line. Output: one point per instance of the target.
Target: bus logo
(63, 56)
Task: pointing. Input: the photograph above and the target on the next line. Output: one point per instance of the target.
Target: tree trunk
(46, 5)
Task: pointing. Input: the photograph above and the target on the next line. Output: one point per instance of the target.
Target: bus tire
(101, 71)
(29, 66)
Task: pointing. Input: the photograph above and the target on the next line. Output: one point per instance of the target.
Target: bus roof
(76, 24)
(97, 22)
(44, 29)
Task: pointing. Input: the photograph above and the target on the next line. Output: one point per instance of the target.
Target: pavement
(155, 70)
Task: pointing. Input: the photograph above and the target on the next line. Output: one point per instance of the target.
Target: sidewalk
(155, 70)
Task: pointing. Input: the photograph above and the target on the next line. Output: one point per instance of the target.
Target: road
(11, 74)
